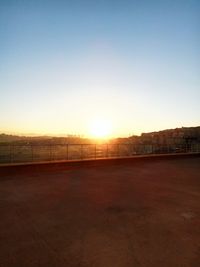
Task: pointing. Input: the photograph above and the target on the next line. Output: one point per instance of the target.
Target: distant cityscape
(171, 139)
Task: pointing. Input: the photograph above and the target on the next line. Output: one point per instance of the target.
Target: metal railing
(16, 153)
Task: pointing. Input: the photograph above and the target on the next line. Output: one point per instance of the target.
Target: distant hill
(4, 138)
(7, 138)
(42, 140)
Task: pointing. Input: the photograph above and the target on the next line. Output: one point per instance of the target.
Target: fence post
(31, 152)
(50, 149)
(81, 151)
(95, 151)
(13, 153)
(107, 150)
(10, 153)
(67, 147)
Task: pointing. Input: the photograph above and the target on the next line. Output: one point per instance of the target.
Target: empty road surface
(139, 214)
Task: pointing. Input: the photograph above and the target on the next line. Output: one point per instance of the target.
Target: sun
(100, 128)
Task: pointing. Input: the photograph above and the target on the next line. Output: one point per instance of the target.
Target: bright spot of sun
(100, 128)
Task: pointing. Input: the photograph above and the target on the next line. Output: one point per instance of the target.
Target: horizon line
(83, 135)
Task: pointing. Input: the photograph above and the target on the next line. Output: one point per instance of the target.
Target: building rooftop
(134, 213)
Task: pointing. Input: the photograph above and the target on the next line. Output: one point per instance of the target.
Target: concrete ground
(134, 214)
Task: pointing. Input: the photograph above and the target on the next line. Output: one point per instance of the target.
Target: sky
(65, 64)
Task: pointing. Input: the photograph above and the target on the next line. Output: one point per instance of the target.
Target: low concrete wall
(25, 168)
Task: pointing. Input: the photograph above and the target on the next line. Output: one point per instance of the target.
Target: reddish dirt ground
(139, 214)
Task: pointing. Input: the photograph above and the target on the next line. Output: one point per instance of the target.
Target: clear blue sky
(65, 63)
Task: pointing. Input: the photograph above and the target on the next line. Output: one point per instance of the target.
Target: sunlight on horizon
(100, 128)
